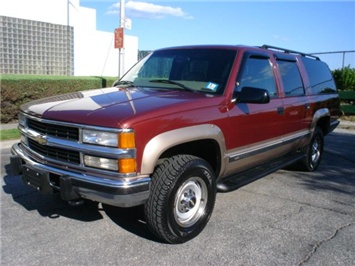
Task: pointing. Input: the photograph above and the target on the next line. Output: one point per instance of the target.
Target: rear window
(320, 78)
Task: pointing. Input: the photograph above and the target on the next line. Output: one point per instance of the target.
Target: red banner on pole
(119, 34)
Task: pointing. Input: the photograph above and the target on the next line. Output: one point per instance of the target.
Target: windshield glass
(195, 69)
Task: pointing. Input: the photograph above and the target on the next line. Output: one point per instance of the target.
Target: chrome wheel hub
(315, 151)
(190, 201)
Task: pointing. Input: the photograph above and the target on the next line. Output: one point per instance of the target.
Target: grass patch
(7, 134)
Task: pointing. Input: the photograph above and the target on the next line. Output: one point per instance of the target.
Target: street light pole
(121, 50)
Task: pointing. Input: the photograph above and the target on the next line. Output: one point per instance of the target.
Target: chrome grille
(67, 156)
(59, 131)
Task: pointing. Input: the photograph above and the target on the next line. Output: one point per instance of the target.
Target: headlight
(21, 120)
(124, 166)
(100, 137)
(103, 163)
(124, 140)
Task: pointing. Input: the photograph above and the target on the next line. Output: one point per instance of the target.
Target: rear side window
(320, 78)
(291, 78)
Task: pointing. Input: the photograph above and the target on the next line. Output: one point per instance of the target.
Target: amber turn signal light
(126, 166)
(126, 140)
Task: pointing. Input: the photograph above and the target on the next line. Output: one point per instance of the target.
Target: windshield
(195, 69)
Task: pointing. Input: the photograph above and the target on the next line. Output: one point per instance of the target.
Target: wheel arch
(205, 141)
(321, 119)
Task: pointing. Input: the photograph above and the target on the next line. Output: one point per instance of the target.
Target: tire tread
(163, 180)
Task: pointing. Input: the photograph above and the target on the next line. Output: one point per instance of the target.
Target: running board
(236, 181)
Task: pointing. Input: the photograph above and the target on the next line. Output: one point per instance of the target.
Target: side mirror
(115, 83)
(253, 95)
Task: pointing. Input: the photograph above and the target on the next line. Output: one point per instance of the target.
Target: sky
(306, 26)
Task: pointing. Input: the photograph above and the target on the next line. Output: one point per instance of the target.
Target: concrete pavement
(287, 218)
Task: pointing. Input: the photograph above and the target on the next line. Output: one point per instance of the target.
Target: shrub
(345, 78)
(18, 89)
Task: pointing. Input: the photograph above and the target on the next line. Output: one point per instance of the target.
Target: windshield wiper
(167, 81)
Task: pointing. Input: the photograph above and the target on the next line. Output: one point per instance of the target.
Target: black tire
(183, 194)
(313, 152)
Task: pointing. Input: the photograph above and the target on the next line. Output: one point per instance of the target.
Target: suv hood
(110, 106)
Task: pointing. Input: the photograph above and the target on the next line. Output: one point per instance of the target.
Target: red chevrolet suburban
(180, 125)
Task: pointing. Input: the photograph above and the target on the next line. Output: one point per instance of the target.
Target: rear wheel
(183, 193)
(313, 152)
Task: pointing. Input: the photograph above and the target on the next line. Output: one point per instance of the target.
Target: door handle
(280, 110)
(307, 106)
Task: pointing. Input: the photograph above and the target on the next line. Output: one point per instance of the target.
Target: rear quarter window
(320, 77)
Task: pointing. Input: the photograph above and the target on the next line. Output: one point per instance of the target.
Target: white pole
(68, 45)
(121, 50)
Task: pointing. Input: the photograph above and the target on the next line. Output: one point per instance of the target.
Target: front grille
(67, 156)
(64, 132)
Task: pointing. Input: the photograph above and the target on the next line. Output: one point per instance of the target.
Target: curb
(7, 144)
(8, 126)
(348, 125)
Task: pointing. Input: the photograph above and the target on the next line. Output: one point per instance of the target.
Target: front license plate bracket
(37, 179)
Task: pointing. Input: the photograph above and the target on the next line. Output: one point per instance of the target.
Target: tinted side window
(291, 78)
(257, 73)
(319, 76)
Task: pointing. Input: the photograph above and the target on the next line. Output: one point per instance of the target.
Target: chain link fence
(337, 59)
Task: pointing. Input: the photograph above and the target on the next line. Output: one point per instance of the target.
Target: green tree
(345, 78)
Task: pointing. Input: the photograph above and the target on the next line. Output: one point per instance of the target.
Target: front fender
(164, 141)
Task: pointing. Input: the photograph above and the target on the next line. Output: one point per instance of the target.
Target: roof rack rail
(287, 51)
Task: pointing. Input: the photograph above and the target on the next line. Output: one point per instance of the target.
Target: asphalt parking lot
(286, 218)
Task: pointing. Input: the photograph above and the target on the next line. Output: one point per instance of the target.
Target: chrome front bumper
(121, 192)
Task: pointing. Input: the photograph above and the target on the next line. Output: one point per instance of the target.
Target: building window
(34, 47)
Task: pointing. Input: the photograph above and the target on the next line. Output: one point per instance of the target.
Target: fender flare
(164, 141)
(320, 113)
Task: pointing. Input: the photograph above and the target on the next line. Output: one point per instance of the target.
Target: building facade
(58, 37)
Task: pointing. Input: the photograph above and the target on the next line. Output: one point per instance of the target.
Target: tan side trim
(245, 157)
(160, 143)
(242, 153)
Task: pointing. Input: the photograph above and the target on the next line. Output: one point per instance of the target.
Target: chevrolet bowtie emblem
(41, 139)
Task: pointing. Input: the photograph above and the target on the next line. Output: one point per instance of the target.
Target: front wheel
(313, 152)
(183, 193)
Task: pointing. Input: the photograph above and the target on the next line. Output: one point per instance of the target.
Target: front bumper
(121, 192)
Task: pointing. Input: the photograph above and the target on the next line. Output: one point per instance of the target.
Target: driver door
(255, 128)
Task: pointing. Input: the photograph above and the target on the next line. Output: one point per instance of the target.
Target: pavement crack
(320, 243)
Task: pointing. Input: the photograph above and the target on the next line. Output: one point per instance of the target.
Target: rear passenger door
(295, 103)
